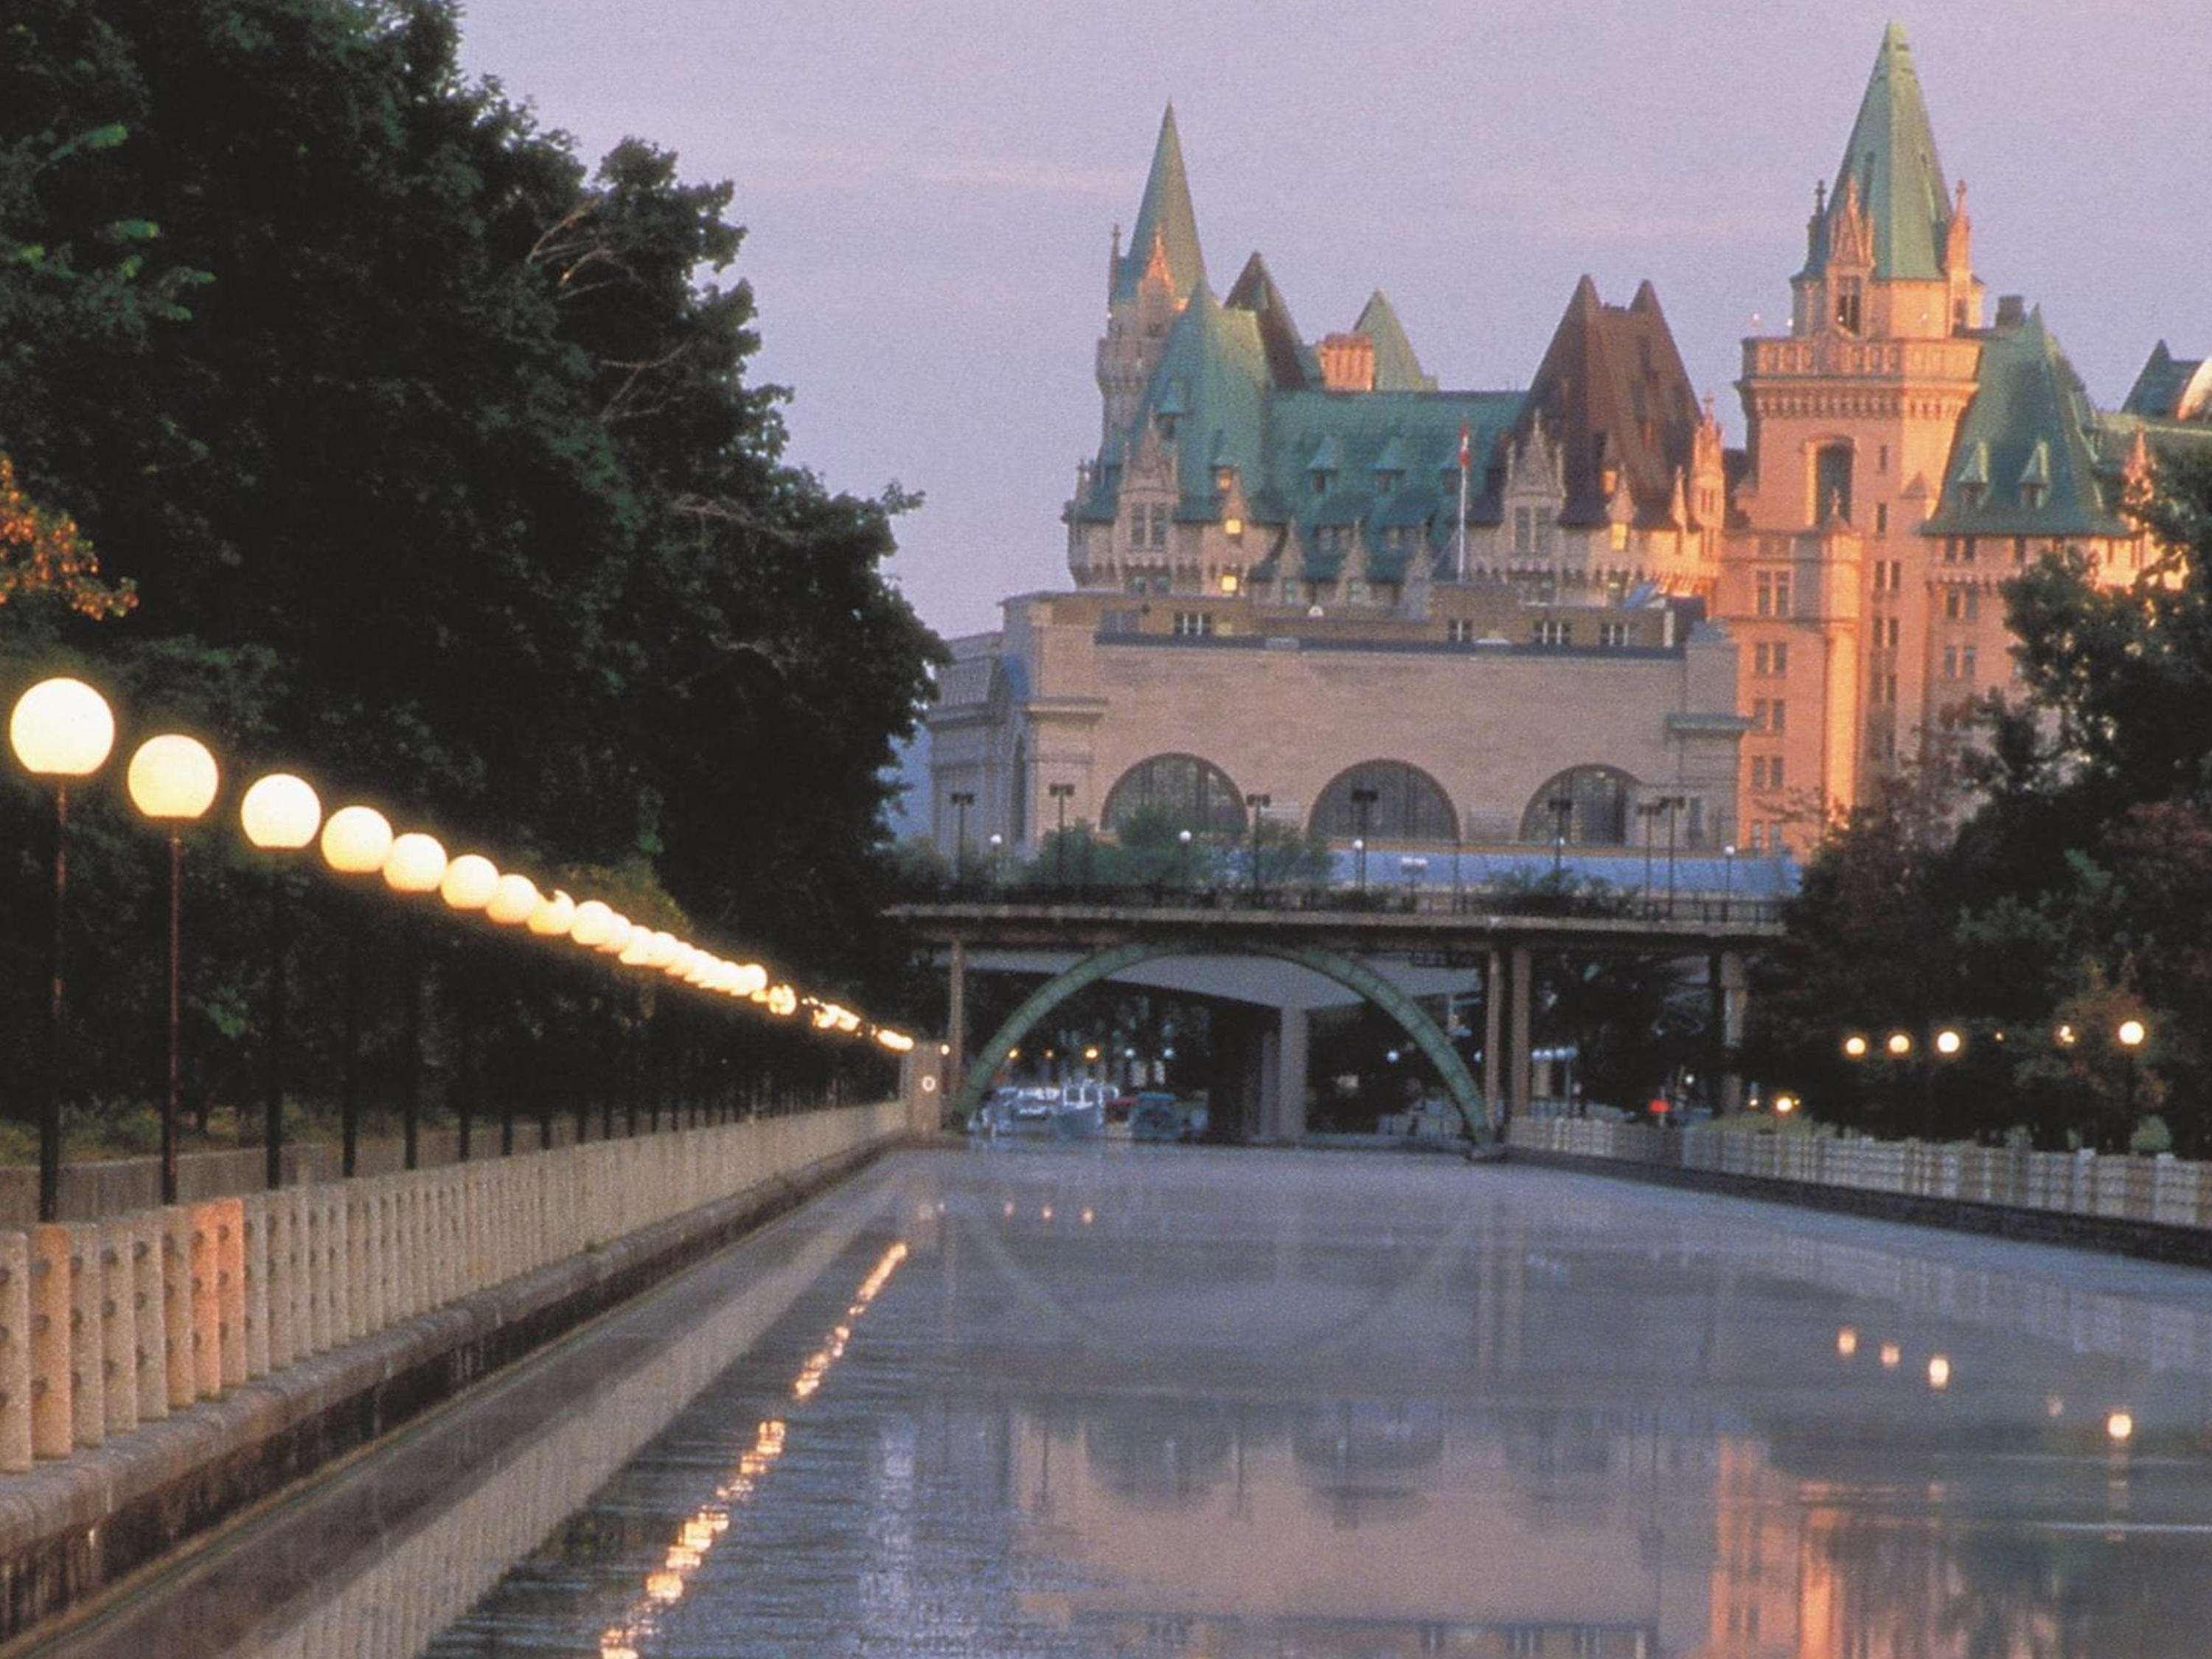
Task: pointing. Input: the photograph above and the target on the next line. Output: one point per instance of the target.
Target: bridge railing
(107, 1324)
(2164, 1189)
(1709, 909)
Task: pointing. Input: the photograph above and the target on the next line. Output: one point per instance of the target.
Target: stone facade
(1349, 564)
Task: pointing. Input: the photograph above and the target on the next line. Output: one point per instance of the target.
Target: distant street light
(61, 729)
(357, 841)
(2132, 1034)
(1727, 879)
(1855, 1046)
(1563, 811)
(1363, 810)
(1061, 794)
(280, 813)
(415, 868)
(962, 799)
(1182, 858)
(1254, 807)
(173, 780)
(1413, 868)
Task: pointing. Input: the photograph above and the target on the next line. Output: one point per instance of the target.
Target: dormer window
(1322, 478)
(2032, 495)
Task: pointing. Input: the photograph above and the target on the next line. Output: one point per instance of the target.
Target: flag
(1466, 438)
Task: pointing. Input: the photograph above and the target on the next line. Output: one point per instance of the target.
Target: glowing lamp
(2131, 1033)
(280, 813)
(357, 841)
(512, 900)
(469, 882)
(554, 915)
(592, 924)
(1855, 1046)
(661, 949)
(620, 931)
(782, 1001)
(680, 961)
(751, 978)
(1899, 1044)
(61, 728)
(1949, 1043)
(173, 778)
(637, 952)
(416, 864)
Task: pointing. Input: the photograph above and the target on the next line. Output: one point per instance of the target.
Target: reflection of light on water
(1847, 1342)
(704, 1527)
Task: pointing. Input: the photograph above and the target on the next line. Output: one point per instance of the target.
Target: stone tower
(1849, 422)
(1147, 285)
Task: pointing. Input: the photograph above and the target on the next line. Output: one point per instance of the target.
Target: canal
(1115, 1401)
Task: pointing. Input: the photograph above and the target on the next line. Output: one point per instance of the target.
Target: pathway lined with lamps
(63, 731)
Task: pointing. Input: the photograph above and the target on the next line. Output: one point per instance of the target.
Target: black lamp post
(1649, 810)
(961, 800)
(61, 729)
(1254, 806)
(1562, 808)
(1362, 809)
(1061, 794)
(1674, 804)
(280, 813)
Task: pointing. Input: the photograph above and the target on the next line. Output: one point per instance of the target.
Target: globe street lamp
(470, 883)
(357, 841)
(415, 868)
(1363, 811)
(2130, 1034)
(173, 780)
(280, 813)
(61, 729)
(1562, 808)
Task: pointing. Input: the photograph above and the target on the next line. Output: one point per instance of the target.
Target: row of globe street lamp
(62, 732)
(1948, 1043)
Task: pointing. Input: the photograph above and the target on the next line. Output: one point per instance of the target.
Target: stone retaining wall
(160, 1370)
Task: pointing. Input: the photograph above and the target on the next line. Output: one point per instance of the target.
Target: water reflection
(1246, 1405)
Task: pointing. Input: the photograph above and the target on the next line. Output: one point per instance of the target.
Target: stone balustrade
(110, 1323)
(2164, 1190)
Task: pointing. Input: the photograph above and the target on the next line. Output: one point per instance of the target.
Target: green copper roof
(1166, 212)
(1892, 155)
(1290, 358)
(2025, 461)
(1396, 367)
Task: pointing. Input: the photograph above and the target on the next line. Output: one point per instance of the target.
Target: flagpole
(1464, 436)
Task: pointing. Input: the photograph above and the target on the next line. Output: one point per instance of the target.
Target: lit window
(1229, 581)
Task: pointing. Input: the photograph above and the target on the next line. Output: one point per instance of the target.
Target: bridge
(1361, 942)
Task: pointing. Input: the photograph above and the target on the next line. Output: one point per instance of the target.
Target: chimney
(1347, 363)
(2012, 311)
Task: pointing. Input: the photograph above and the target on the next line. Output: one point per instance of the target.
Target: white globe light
(553, 916)
(61, 728)
(621, 932)
(357, 841)
(663, 950)
(591, 924)
(469, 882)
(280, 812)
(416, 864)
(173, 778)
(637, 952)
(512, 900)
(751, 977)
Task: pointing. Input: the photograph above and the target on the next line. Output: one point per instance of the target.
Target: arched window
(1592, 801)
(1385, 800)
(1189, 792)
(1831, 481)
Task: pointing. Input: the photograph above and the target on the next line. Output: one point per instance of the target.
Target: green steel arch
(1347, 971)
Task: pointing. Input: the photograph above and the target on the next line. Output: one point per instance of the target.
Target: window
(1189, 792)
(1966, 549)
(1780, 714)
(1831, 482)
(1524, 531)
(1194, 624)
(1612, 635)
(1460, 630)
(1770, 592)
(1881, 518)
(1766, 772)
(1887, 631)
(1770, 658)
(1554, 633)
(1847, 305)
(1881, 458)
(1385, 800)
(2019, 551)
(1966, 662)
(1159, 524)
(1759, 710)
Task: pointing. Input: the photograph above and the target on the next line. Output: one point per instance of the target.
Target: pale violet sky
(928, 189)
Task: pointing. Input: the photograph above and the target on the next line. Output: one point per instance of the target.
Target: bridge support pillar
(956, 1020)
(1494, 1036)
(1518, 1049)
(1731, 993)
(1283, 1078)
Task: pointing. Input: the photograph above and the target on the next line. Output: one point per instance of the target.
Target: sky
(929, 190)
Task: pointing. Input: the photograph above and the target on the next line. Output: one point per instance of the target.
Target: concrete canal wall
(2158, 1208)
(161, 1368)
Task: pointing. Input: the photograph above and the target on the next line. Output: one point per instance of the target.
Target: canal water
(1167, 1401)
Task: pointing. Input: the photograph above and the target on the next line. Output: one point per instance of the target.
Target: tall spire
(1166, 216)
(1891, 157)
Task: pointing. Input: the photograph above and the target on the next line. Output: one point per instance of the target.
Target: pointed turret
(1164, 220)
(1396, 367)
(1891, 159)
(1289, 361)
